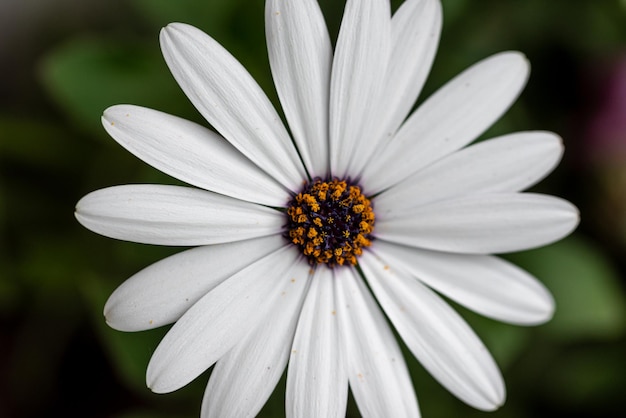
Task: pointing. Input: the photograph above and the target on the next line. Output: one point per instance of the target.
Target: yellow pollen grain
(311, 202)
(311, 227)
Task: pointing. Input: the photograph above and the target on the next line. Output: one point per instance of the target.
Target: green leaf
(85, 76)
(586, 377)
(453, 9)
(36, 143)
(129, 352)
(48, 266)
(589, 302)
(214, 14)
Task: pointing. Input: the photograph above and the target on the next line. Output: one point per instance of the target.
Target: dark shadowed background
(62, 62)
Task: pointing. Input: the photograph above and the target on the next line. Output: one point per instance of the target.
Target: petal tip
(83, 208)
(159, 380)
(168, 32)
(545, 306)
(107, 312)
(176, 28)
(514, 60)
(79, 215)
(115, 111)
(574, 213)
(152, 380)
(494, 400)
(542, 312)
(172, 26)
(112, 320)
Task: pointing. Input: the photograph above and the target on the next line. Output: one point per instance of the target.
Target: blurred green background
(63, 62)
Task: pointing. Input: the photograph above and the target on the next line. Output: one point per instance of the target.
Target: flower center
(330, 221)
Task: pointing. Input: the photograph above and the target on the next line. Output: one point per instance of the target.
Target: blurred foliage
(58, 357)
(589, 299)
(107, 70)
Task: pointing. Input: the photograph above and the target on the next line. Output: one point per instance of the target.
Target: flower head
(289, 227)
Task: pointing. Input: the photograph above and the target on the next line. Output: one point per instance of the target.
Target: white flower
(248, 299)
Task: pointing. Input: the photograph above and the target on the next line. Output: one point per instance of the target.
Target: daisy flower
(312, 240)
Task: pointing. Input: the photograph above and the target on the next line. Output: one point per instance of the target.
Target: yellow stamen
(331, 222)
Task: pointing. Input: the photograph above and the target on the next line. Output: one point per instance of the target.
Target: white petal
(300, 55)
(161, 293)
(506, 164)
(444, 344)
(485, 284)
(379, 378)
(219, 320)
(415, 26)
(191, 153)
(228, 97)
(245, 377)
(450, 119)
(317, 383)
(482, 224)
(174, 215)
(359, 68)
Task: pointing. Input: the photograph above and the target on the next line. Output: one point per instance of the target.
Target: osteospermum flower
(302, 238)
